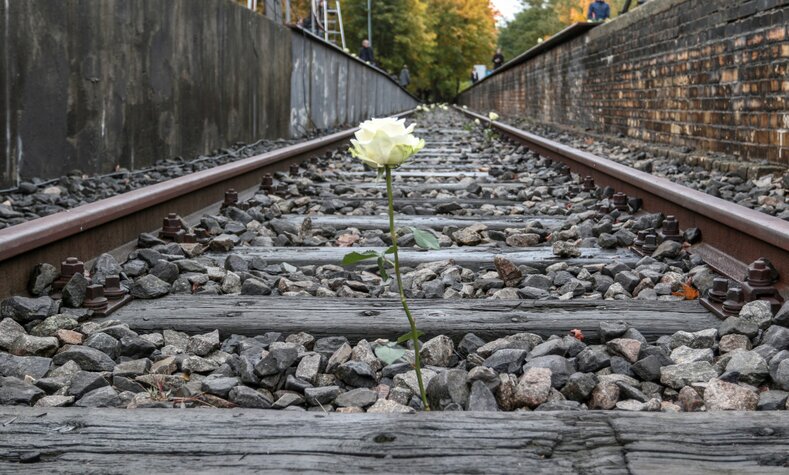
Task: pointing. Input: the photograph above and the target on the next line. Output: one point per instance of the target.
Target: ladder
(331, 19)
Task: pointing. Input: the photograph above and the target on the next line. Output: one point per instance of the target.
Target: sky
(508, 8)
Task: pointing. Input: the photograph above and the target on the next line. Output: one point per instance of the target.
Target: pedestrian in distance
(405, 76)
(599, 10)
(498, 59)
(366, 53)
(474, 75)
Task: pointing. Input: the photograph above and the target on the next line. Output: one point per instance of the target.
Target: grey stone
(592, 359)
(532, 293)
(277, 361)
(667, 250)
(24, 309)
(85, 381)
(356, 374)
(21, 366)
(204, 344)
(359, 397)
(136, 347)
(74, 291)
(506, 360)
(104, 343)
(648, 368)
(777, 337)
(165, 271)
(55, 401)
(17, 391)
(579, 386)
(735, 325)
(308, 367)
(328, 345)
(734, 342)
(481, 398)
(782, 317)
(386, 406)
(51, 325)
(89, 359)
(469, 344)
(561, 368)
(560, 406)
(782, 374)
(149, 287)
(28, 345)
(288, 399)
(628, 280)
(219, 386)
(750, 367)
(437, 351)
(102, 397)
(534, 387)
(773, 400)
(252, 286)
(132, 368)
(448, 387)
(757, 312)
(244, 396)
(683, 354)
(627, 348)
(679, 375)
(104, 265)
(10, 330)
(611, 330)
(41, 278)
(554, 346)
(519, 341)
(321, 395)
(538, 281)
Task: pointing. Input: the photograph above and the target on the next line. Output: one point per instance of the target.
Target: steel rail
(732, 235)
(102, 226)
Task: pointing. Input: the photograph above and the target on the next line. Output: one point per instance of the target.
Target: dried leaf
(348, 240)
(688, 292)
(577, 334)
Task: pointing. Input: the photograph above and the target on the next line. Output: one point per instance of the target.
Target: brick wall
(711, 75)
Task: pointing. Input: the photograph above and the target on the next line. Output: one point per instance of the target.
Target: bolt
(231, 198)
(719, 288)
(170, 226)
(734, 301)
(620, 201)
(641, 237)
(95, 299)
(650, 244)
(588, 183)
(112, 287)
(294, 169)
(670, 230)
(68, 268)
(759, 274)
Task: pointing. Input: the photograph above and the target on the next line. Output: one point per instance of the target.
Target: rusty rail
(105, 225)
(732, 235)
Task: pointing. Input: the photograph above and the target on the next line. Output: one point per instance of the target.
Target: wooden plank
(423, 186)
(472, 257)
(428, 174)
(470, 203)
(381, 221)
(73, 440)
(363, 318)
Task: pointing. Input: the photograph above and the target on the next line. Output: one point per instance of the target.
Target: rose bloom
(493, 116)
(385, 142)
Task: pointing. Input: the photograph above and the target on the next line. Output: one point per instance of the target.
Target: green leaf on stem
(382, 268)
(407, 336)
(389, 354)
(391, 250)
(354, 257)
(425, 239)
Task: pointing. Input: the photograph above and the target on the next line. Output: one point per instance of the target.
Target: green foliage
(390, 353)
(409, 336)
(354, 257)
(541, 19)
(425, 239)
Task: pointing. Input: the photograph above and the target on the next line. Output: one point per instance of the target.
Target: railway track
(527, 256)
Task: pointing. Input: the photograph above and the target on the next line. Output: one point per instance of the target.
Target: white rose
(493, 116)
(385, 142)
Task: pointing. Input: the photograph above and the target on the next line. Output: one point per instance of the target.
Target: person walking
(598, 11)
(405, 76)
(474, 75)
(366, 53)
(498, 59)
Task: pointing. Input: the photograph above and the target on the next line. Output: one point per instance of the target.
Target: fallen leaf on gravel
(348, 240)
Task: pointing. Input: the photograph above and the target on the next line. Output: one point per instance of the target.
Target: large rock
(24, 309)
(10, 330)
(448, 387)
(202, 345)
(750, 367)
(627, 348)
(437, 351)
(357, 374)
(757, 312)
(244, 396)
(149, 287)
(724, 396)
(28, 345)
(20, 366)
(481, 398)
(102, 397)
(506, 360)
(592, 359)
(777, 337)
(74, 291)
(680, 375)
(16, 391)
(579, 386)
(41, 278)
(105, 265)
(277, 360)
(51, 325)
(508, 272)
(386, 406)
(684, 354)
(561, 368)
(359, 397)
(534, 387)
(84, 382)
(89, 359)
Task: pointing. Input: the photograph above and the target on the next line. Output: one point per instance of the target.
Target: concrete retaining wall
(96, 84)
(710, 75)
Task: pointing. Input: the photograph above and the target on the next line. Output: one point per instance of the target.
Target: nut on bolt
(112, 287)
(294, 169)
(620, 201)
(734, 301)
(670, 230)
(588, 184)
(719, 289)
(171, 225)
(95, 299)
(68, 268)
(231, 198)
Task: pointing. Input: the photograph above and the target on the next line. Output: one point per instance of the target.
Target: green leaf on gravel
(354, 257)
(382, 268)
(407, 336)
(389, 354)
(425, 239)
